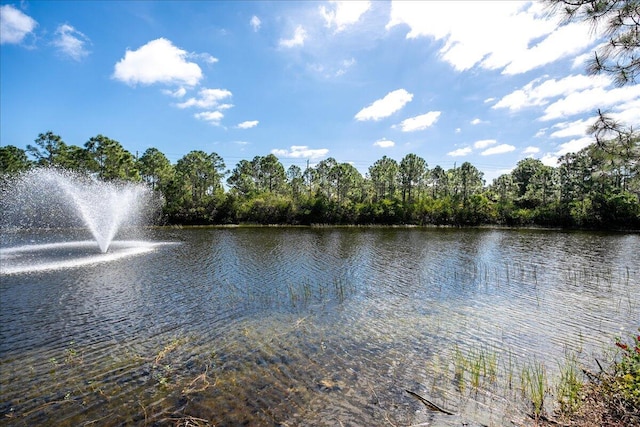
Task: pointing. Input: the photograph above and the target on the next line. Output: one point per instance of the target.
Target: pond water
(305, 326)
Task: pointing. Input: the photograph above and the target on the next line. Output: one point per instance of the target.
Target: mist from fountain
(53, 198)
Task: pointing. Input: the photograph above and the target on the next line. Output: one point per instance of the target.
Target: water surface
(298, 326)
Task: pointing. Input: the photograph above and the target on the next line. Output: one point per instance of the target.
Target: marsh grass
(479, 367)
(569, 386)
(534, 386)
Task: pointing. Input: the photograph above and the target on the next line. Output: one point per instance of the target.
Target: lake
(304, 326)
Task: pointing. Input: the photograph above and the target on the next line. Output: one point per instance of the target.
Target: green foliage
(155, 169)
(626, 373)
(110, 160)
(598, 187)
(13, 160)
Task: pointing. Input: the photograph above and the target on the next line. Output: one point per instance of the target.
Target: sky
(490, 83)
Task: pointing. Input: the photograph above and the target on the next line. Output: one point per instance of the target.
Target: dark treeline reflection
(597, 187)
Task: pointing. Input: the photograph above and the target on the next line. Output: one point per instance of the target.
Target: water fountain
(54, 199)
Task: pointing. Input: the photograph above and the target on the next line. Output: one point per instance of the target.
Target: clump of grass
(569, 386)
(534, 386)
(459, 364)
(481, 364)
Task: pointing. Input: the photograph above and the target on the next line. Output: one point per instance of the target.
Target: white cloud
(158, 61)
(255, 23)
(460, 152)
(580, 60)
(566, 129)
(484, 143)
(344, 13)
(539, 92)
(299, 36)
(204, 57)
(300, 152)
(565, 41)
(473, 33)
(384, 143)
(420, 122)
(212, 117)
(489, 100)
(629, 112)
(208, 98)
(549, 160)
(71, 42)
(574, 145)
(542, 132)
(458, 130)
(386, 106)
(178, 93)
(14, 25)
(248, 124)
(476, 121)
(531, 150)
(590, 100)
(498, 149)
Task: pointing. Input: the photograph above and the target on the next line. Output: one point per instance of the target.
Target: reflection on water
(282, 326)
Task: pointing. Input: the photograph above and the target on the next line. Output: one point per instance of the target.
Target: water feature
(47, 198)
(284, 326)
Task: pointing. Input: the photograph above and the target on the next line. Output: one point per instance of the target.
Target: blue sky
(486, 82)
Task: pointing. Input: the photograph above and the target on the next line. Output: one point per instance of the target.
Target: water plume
(52, 198)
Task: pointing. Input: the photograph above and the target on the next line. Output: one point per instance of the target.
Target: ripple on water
(307, 326)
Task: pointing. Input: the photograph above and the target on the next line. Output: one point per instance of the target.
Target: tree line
(597, 187)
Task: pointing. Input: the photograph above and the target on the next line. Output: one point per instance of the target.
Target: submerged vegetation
(597, 187)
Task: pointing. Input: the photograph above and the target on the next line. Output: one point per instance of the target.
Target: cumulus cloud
(484, 143)
(476, 121)
(343, 13)
(71, 42)
(549, 160)
(248, 124)
(540, 91)
(475, 37)
(158, 61)
(212, 117)
(498, 149)
(384, 143)
(14, 25)
(589, 100)
(574, 145)
(420, 122)
(208, 98)
(299, 36)
(568, 129)
(386, 106)
(255, 23)
(300, 152)
(531, 150)
(628, 112)
(460, 152)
